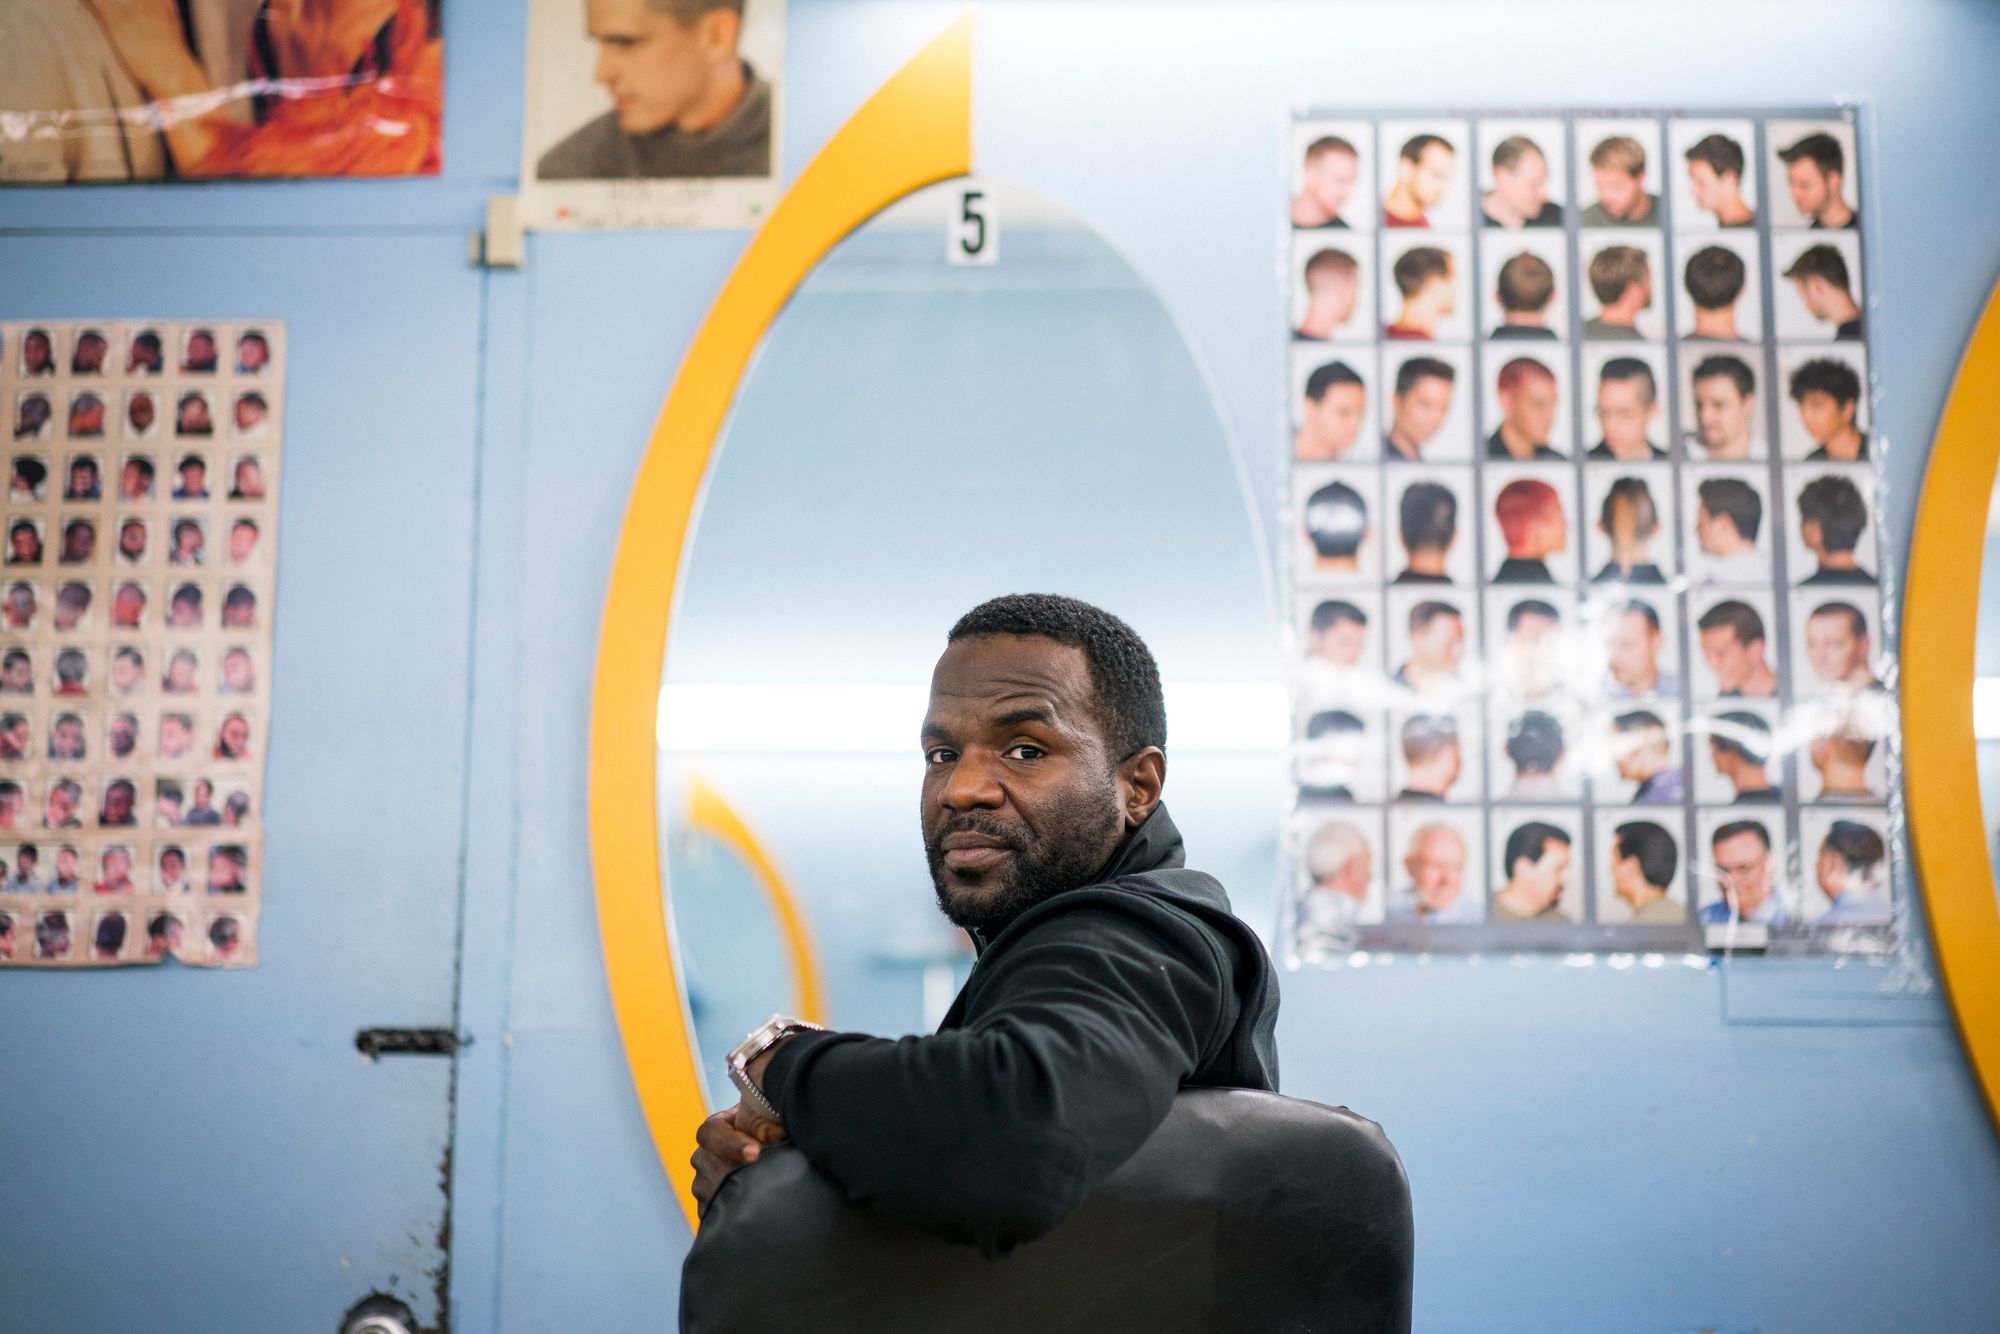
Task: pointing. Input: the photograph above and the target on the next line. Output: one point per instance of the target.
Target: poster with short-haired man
(651, 113)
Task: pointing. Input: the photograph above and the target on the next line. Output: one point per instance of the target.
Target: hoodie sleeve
(1083, 1028)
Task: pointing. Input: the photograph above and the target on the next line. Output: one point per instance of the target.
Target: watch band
(764, 1037)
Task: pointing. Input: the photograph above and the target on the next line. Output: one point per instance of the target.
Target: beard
(1036, 869)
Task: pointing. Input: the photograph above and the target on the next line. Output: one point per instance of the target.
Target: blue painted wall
(1590, 1148)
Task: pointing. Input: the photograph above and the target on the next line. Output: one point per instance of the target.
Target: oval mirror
(913, 437)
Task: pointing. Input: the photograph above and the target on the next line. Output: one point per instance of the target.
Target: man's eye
(1028, 752)
(940, 755)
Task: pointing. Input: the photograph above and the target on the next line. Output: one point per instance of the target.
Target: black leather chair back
(1244, 1211)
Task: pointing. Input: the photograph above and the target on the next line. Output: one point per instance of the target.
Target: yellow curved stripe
(710, 814)
(1940, 625)
(915, 130)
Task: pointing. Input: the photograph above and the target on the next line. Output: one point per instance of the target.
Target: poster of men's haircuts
(143, 466)
(1585, 573)
(651, 113)
(149, 90)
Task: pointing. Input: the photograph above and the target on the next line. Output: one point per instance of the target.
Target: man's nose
(973, 784)
(602, 72)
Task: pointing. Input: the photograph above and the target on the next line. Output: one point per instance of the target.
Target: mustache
(973, 822)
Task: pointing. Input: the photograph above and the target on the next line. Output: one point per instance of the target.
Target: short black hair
(1512, 149)
(1636, 720)
(1634, 492)
(1332, 612)
(1630, 368)
(1827, 375)
(1835, 504)
(1336, 520)
(1414, 146)
(1428, 735)
(224, 931)
(1535, 743)
(1723, 155)
(1735, 827)
(1818, 148)
(1743, 734)
(111, 933)
(1429, 516)
(1333, 722)
(1418, 265)
(1723, 364)
(1124, 678)
(1736, 500)
(1820, 261)
(1714, 277)
(688, 12)
(1526, 284)
(1422, 368)
(1424, 613)
(1531, 607)
(1857, 622)
(1653, 848)
(1739, 618)
(1860, 847)
(1529, 842)
(156, 925)
(1327, 376)
(1644, 610)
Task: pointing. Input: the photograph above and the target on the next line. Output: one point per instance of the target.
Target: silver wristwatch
(764, 1037)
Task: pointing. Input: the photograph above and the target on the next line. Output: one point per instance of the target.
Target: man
(84, 483)
(1628, 403)
(168, 803)
(119, 803)
(1739, 746)
(1536, 749)
(1819, 276)
(1436, 893)
(1643, 862)
(17, 672)
(1336, 638)
(1339, 865)
(239, 674)
(1828, 394)
(1334, 752)
(201, 813)
(1520, 194)
(108, 941)
(242, 541)
(128, 607)
(52, 936)
(87, 358)
(239, 608)
(1527, 392)
(38, 353)
(1621, 278)
(1423, 174)
(226, 867)
(66, 737)
(1742, 851)
(1815, 169)
(147, 355)
(72, 605)
(1331, 167)
(142, 413)
(1728, 515)
(684, 103)
(116, 865)
(200, 355)
(86, 418)
(163, 935)
(1337, 526)
(1336, 402)
(251, 412)
(1832, 518)
(193, 417)
(1618, 170)
(27, 861)
(7, 944)
(79, 542)
(1107, 973)
(121, 735)
(71, 669)
(59, 807)
(184, 608)
(65, 880)
(225, 937)
(1529, 656)
(29, 480)
(32, 416)
(15, 737)
(187, 543)
(13, 802)
(24, 543)
(1852, 871)
(1725, 408)
(193, 470)
(1714, 279)
(21, 606)
(1333, 284)
(1437, 641)
(178, 679)
(1418, 407)
(253, 353)
(1841, 758)
(1429, 526)
(1427, 280)
(1642, 752)
(132, 541)
(1432, 757)
(173, 870)
(1630, 519)
(135, 478)
(1715, 179)
(1524, 292)
(1732, 644)
(232, 739)
(1532, 525)
(176, 735)
(1537, 857)
(1839, 647)
(1632, 644)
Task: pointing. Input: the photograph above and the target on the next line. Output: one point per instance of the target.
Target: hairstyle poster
(143, 465)
(150, 90)
(651, 113)
(1586, 600)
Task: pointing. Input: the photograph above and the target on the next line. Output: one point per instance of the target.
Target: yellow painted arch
(1940, 625)
(711, 815)
(915, 130)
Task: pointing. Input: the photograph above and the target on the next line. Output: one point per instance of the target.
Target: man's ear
(1140, 779)
(719, 30)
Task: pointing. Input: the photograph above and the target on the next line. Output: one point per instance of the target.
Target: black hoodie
(1082, 1018)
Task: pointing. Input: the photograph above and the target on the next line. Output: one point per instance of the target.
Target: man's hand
(726, 1141)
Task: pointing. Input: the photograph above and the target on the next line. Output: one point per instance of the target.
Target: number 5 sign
(972, 234)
